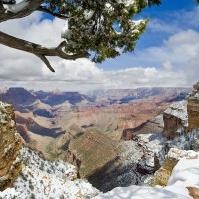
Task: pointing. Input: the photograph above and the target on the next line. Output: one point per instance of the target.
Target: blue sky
(167, 13)
(166, 54)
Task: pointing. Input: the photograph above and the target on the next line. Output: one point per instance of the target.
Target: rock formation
(182, 117)
(182, 183)
(161, 176)
(193, 192)
(193, 108)
(10, 145)
(18, 97)
(154, 125)
(175, 119)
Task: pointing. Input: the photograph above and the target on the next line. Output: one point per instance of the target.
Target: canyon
(145, 159)
(82, 128)
(56, 122)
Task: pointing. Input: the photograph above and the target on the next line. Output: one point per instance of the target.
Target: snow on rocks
(19, 6)
(44, 179)
(178, 154)
(179, 110)
(140, 192)
(58, 168)
(185, 174)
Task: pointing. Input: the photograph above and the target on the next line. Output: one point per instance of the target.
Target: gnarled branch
(37, 49)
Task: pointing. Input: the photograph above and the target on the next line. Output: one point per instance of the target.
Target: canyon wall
(175, 120)
(10, 145)
(182, 117)
(193, 108)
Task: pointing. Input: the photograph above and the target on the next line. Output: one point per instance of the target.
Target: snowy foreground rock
(185, 174)
(43, 179)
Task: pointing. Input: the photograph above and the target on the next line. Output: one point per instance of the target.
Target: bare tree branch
(45, 60)
(18, 11)
(37, 49)
(43, 9)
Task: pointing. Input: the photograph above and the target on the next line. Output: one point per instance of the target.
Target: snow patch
(185, 174)
(44, 179)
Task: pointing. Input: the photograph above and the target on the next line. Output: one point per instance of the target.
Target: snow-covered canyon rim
(42, 179)
(184, 175)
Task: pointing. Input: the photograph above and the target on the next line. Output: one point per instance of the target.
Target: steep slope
(180, 130)
(87, 131)
(30, 176)
(94, 150)
(175, 118)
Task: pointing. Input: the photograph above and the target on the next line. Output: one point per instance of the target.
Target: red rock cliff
(193, 108)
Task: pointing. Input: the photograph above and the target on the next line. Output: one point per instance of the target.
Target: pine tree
(97, 29)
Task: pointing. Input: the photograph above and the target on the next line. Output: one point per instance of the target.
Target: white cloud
(177, 58)
(167, 65)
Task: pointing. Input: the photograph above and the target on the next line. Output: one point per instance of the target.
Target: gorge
(134, 156)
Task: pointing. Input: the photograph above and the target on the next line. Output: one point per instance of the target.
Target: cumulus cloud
(174, 63)
(179, 53)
